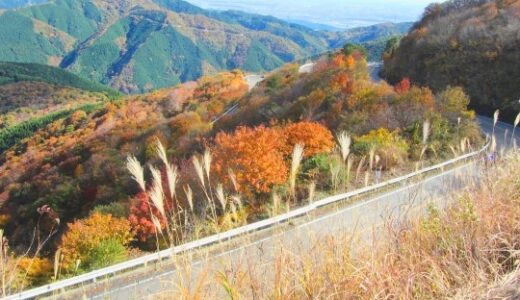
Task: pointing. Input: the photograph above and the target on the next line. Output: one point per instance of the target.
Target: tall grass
(458, 253)
(344, 142)
(515, 124)
(296, 160)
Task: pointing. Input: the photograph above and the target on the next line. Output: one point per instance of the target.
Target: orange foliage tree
(315, 137)
(84, 236)
(254, 155)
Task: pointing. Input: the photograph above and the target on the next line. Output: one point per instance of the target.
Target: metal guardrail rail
(93, 276)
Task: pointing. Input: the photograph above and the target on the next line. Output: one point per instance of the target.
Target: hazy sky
(339, 13)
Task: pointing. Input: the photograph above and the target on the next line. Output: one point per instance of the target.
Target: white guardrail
(93, 276)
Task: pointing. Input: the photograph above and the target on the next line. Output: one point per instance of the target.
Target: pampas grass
(233, 178)
(199, 169)
(335, 171)
(158, 227)
(463, 145)
(463, 251)
(276, 204)
(189, 196)
(221, 197)
(57, 263)
(493, 147)
(157, 193)
(207, 163)
(360, 166)
(515, 124)
(371, 155)
(171, 170)
(238, 201)
(350, 162)
(455, 154)
(344, 142)
(495, 120)
(137, 171)
(426, 131)
(312, 191)
(297, 157)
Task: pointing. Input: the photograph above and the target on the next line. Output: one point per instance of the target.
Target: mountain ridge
(140, 45)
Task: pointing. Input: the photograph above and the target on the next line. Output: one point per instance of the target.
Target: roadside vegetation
(204, 157)
(467, 251)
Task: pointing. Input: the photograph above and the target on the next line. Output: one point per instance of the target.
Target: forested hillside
(22, 72)
(140, 45)
(470, 43)
(226, 157)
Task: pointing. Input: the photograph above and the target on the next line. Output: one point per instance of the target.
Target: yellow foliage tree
(83, 236)
(35, 270)
(391, 147)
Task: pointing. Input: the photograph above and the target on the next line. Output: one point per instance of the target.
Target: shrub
(83, 238)
(108, 252)
(35, 270)
(388, 145)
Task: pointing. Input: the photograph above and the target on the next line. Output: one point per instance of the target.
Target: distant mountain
(369, 33)
(313, 25)
(470, 43)
(140, 45)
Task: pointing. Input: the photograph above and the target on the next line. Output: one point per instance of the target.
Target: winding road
(360, 217)
(260, 249)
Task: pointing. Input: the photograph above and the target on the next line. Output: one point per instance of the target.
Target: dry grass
(297, 157)
(467, 251)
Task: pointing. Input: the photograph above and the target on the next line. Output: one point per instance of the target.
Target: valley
(137, 46)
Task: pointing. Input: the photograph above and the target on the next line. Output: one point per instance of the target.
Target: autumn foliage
(254, 156)
(84, 236)
(140, 218)
(259, 156)
(315, 138)
(403, 86)
(36, 269)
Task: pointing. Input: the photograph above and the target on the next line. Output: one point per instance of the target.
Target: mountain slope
(139, 45)
(473, 44)
(18, 72)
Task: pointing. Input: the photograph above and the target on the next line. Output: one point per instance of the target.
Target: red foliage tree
(403, 86)
(141, 220)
